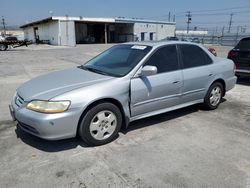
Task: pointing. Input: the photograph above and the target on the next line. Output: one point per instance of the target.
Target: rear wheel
(100, 124)
(214, 96)
(3, 47)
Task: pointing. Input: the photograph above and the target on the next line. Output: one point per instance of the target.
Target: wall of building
(124, 32)
(29, 34)
(66, 35)
(156, 30)
(68, 32)
(165, 30)
(45, 31)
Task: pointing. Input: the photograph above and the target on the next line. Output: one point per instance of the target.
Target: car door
(159, 91)
(198, 72)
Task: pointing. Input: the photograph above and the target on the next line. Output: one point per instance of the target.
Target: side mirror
(148, 70)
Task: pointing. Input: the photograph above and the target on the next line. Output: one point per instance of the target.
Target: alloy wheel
(103, 125)
(215, 96)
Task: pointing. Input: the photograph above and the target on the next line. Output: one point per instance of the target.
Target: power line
(217, 14)
(183, 14)
(222, 9)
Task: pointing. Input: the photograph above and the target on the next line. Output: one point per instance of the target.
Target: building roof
(102, 20)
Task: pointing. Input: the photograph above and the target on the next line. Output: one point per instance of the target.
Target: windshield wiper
(93, 70)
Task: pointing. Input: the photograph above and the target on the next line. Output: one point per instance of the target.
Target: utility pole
(237, 34)
(230, 22)
(222, 31)
(67, 28)
(189, 19)
(169, 16)
(244, 29)
(222, 34)
(174, 18)
(4, 29)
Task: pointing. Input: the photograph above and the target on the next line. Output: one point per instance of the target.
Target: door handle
(176, 82)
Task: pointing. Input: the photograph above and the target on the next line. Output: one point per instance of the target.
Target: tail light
(213, 51)
(232, 54)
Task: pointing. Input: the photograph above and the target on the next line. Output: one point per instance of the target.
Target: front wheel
(214, 96)
(100, 124)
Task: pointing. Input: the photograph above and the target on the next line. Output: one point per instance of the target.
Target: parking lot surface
(184, 148)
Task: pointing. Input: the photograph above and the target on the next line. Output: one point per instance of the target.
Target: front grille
(19, 100)
(28, 128)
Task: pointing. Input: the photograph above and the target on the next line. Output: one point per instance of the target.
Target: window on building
(151, 36)
(142, 36)
(194, 56)
(165, 59)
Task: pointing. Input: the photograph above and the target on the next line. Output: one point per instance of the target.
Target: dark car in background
(11, 38)
(172, 38)
(240, 54)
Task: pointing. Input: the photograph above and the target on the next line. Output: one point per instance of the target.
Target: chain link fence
(229, 39)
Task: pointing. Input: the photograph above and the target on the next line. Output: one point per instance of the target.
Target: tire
(101, 124)
(3, 47)
(213, 97)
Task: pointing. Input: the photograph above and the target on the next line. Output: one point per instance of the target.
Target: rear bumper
(230, 83)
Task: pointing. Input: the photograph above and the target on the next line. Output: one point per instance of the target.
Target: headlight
(48, 106)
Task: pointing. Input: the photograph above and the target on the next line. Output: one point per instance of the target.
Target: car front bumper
(47, 126)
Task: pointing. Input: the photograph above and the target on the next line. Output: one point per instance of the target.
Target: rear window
(194, 56)
(244, 44)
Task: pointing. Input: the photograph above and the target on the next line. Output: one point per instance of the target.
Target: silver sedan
(124, 83)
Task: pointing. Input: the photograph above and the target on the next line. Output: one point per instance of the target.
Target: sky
(209, 14)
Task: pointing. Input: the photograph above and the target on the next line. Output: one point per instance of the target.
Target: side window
(194, 56)
(165, 59)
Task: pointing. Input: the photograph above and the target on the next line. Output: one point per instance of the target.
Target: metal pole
(105, 33)
(222, 34)
(67, 28)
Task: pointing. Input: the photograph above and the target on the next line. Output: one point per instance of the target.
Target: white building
(70, 31)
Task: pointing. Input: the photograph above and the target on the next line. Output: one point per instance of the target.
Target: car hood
(53, 84)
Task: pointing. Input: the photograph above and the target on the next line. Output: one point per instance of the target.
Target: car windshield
(118, 60)
(244, 44)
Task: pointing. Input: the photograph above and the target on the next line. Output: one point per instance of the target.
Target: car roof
(156, 44)
(160, 43)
